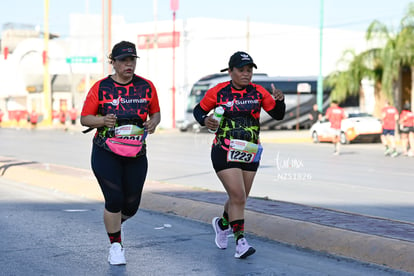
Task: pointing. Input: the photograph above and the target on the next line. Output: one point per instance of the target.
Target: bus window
(196, 94)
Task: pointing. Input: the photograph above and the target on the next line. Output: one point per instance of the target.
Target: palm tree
(388, 57)
(397, 54)
(383, 63)
(349, 82)
(338, 81)
(405, 44)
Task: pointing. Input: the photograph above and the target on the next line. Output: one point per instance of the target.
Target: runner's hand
(110, 120)
(277, 93)
(150, 126)
(211, 123)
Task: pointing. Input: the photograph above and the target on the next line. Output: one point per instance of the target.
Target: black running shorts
(219, 160)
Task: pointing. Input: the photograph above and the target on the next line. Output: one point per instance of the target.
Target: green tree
(383, 63)
(358, 67)
(405, 44)
(397, 54)
(379, 33)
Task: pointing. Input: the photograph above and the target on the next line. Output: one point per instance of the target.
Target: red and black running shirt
(241, 109)
(131, 102)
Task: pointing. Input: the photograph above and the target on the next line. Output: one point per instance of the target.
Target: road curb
(394, 253)
(390, 252)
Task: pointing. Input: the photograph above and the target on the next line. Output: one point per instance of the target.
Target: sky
(348, 14)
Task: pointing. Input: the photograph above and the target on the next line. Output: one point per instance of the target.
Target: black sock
(115, 237)
(224, 221)
(238, 229)
(226, 216)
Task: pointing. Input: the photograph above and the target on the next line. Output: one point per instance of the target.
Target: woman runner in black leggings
(119, 106)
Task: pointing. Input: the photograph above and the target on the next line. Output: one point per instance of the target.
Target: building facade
(202, 46)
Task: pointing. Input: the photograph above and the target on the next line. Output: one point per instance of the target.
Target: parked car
(357, 127)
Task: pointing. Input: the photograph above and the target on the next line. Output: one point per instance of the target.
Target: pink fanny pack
(124, 147)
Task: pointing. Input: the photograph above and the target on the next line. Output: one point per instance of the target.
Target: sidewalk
(368, 239)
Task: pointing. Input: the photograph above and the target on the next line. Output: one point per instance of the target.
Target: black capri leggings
(121, 179)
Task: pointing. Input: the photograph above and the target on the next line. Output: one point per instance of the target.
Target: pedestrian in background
(407, 130)
(314, 115)
(1, 116)
(55, 117)
(73, 115)
(389, 117)
(335, 114)
(34, 116)
(236, 149)
(124, 108)
(62, 118)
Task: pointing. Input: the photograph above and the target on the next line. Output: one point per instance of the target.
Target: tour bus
(300, 96)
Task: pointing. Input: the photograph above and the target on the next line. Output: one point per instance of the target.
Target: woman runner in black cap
(119, 106)
(236, 149)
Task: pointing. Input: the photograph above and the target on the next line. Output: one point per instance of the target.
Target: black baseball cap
(239, 59)
(124, 49)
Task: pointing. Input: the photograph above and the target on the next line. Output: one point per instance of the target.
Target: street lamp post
(46, 76)
(319, 95)
(106, 33)
(174, 8)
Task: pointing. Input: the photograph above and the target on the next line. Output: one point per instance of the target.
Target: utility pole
(248, 35)
(106, 34)
(155, 61)
(319, 93)
(174, 8)
(46, 77)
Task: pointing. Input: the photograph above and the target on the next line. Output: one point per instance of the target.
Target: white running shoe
(116, 254)
(221, 235)
(243, 249)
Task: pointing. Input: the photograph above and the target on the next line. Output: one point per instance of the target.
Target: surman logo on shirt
(116, 102)
(241, 102)
(126, 101)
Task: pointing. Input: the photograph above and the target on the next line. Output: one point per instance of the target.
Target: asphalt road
(45, 232)
(361, 180)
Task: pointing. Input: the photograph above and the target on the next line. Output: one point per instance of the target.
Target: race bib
(131, 132)
(243, 151)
